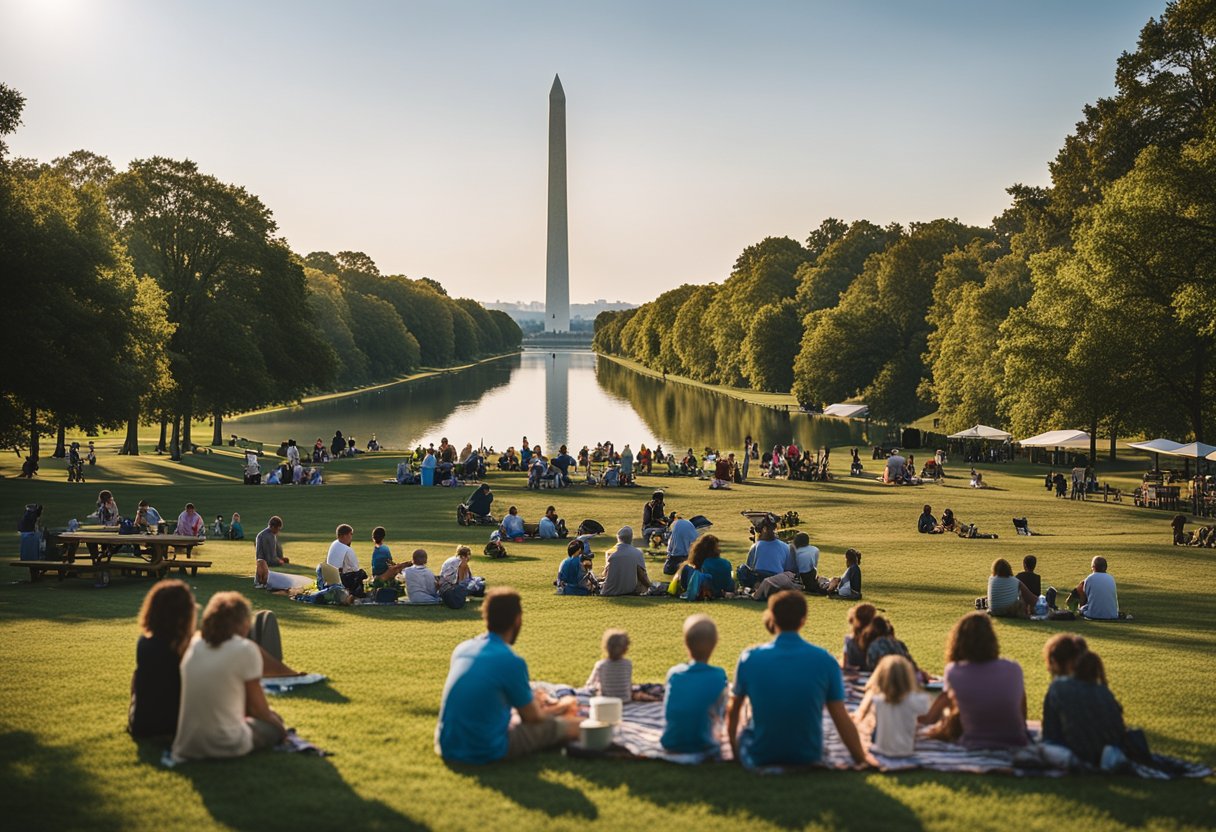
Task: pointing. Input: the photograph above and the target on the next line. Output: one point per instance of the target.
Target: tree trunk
(1093, 441)
(61, 450)
(130, 446)
(164, 428)
(175, 450)
(33, 454)
(187, 446)
(1114, 435)
(217, 435)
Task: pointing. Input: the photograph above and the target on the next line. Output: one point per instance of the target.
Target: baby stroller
(758, 519)
(464, 517)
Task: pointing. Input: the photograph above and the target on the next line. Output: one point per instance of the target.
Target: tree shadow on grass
(238, 794)
(523, 782)
(795, 800)
(47, 789)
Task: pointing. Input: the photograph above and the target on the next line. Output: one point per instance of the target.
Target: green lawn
(67, 649)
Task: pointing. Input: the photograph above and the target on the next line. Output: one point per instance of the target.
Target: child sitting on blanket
(894, 696)
(694, 704)
(613, 674)
(860, 616)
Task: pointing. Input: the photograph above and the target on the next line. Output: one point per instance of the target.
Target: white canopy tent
(1156, 447)
(982, 432)
(1057, 439)
(1195, 450)
(847, 411)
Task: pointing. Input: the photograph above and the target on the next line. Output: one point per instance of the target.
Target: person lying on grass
(788, 682)
(694, 704)
(486, 681)
(223, 709)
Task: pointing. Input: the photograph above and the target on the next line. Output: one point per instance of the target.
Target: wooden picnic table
(155, 554)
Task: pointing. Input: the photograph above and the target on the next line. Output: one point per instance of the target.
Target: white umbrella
(981, 432)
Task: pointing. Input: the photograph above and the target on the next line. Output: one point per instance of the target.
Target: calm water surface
(568, 397)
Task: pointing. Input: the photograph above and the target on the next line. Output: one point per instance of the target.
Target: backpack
(126, 526)
(494, 549)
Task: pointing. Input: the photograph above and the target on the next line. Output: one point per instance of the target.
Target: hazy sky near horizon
(416, 131)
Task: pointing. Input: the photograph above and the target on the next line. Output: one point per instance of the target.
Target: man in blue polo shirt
(789, 682)
(486, 680)
(683, 535)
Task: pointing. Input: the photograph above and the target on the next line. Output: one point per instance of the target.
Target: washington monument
(557, 262)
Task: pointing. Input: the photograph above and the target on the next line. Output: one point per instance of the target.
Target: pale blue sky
(416, 131)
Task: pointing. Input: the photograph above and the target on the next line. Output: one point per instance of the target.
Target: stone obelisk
(557, 262)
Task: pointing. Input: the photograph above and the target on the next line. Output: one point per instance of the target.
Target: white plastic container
(606, 709)
(594, 735)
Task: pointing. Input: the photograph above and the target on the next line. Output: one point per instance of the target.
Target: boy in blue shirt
(695, 702)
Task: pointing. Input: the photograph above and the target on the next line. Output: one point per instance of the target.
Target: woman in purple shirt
(984, 692)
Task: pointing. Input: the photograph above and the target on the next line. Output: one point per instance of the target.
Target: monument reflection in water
(567, 397)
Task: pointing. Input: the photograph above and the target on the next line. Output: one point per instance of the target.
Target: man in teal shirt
(789, 683)
(485, 681)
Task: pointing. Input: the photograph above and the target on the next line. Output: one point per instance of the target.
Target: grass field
(67, 652)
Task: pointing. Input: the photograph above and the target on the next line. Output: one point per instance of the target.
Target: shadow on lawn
(47, 789)
(522, 782)
(236, 794)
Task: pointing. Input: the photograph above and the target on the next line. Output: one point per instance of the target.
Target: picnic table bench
(154, 555)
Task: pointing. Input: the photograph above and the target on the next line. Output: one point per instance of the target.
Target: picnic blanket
(284, 684)
(642, 725)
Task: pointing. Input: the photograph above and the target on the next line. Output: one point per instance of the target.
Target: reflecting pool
(570, 397)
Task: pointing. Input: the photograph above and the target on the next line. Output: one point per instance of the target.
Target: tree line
(1089, 303)
(160, 294)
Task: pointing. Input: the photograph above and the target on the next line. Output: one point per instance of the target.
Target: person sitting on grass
(342, 557)
(706, 556)
(383, 567)
(236, 531)
(949, 524)
(927, 523)
(455, 571)
(421, 585)
(1096, 594)
(486, 680)
(478, 504)
(1029, 578)
(694, 702)
(223, 708)
(267, 553)
(570, 572)
(512, 526)
(679, 544)
(767, 557)
(860, 616)
(789, 682)
(654, 517)
(847, 585)
(624, 567)
(1079, 711)
(806, 560)
(189, 522)
(893, 694)
(551, 527)
(983, 704)
(878, 641)
(1061, 652)
(166, 623)
(613, 674)
(1007, 596)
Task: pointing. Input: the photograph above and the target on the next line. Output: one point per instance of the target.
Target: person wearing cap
(624, 567)
(654, 517)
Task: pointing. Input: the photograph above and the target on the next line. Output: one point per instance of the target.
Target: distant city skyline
(416, 131)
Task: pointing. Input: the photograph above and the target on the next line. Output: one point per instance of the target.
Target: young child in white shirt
(896, 699)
